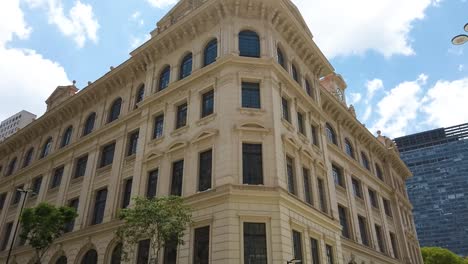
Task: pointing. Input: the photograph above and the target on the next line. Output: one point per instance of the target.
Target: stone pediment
(60, 94)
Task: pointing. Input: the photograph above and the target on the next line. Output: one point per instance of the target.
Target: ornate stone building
(231, 105)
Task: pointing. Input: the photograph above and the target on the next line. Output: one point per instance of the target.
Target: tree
(437, 255)
(162, 220)
(43, 224)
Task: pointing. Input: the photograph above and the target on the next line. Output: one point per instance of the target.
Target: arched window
(89, 124)
(249, 44)
(280, 58)
(61, 260)
(90, 257)
(349, 148)
(11, 167)
(379, 172)
(140, 94)
(309, 89)
(331, 135)
(28, 157)
(295, 73)
(114, 111)
(46, 148)
(365, 161)
(116, 257)
(66, 138)
(186, 66)
(211, 52)
(164, 78)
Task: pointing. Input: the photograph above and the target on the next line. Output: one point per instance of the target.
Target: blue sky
(403, 74)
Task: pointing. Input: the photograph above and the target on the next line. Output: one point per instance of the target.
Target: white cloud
(355, 98)
(344, 28)
(136, 17)
(161, 3)
(372, 87)
(135, 42)
(367, 113)
(461, 67)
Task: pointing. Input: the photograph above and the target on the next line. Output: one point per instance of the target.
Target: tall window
(249, 44)
(211, 52)
(186, 66)
(177, 177)
(2, 200)
(315, 249)
(251, 95)
(322, 195)
(72, 204)
(331, 135)
(394, 242)
(114, 111)
(308, 89)
(201, 247)
(11, 167)
(291, 176)
(127, 192)
(387, 207)
(295, 73)
(6, 235)
(170, 251)
(89, 124)
(62, 260)
(90, 257)
(66, 138)
(338, 176)
(307, 186)
(378, 172)
(116, 257)
(140, 94)
(285, 109)
(255, 244)
(380, 239)
(344, 221)
(80, 167)
(363, 230)
(373, 198)
(204, 170)
(252, 164)
(143, 251)
(181, 119)
(207, 105)
(107, 155)
(280, 58)
(313, 130)
(46, 148)
(300, 123)
(365, 161)
(28, 157)
(297, 245)
(99, 206)
(357, 190)
(133, 143)
(164, 78)
(152, 186)
(36, 186)
(158, 126)
(349, 148)
(329, 251)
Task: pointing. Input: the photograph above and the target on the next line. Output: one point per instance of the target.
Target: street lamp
(462, 38)
(25, 192)
(292, 261)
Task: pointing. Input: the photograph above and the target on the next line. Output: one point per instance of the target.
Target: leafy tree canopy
(437, 255)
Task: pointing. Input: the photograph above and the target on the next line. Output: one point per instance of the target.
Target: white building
(14, 123)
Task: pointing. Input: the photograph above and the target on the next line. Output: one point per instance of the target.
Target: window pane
(297, 245)
(127, 193)
(380, 239)
(107, 155)
(201, 247)
(363, 230)
(211, 52)
(252, 164)
(280, 58)
(114, 112)
(170, 252)
(315, 251)
(329, 250)
(143, 251)
(322, 195)
(164, 78)
(357, 188)
(90, 257)
(73, 204)
(338, 176)
(158, 127)
(181, 116)
(249, 44)
(99, 206)
(177, 177)
(140, 94)
(307, 186)
(205, 164)
(207, 104)
(57, 177)
(344, 221)
(117, 254)
(300, 123)
(291, 176)
(255, 246)
(152, 184)
(186, 66)
(285, 108)
(133, 143)
(6, 235)
(250, 95)
(89, 124)
(80, 168)
(66, 138)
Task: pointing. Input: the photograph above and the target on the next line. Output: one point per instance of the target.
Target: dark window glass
(205, 170)
(280, 58)
(393, 239)
(28, 157)
(255, 245)
(252, 164)
(307, 186)
(349, 148)
(322, 195)
(365, 161)
(338, 176)
(127, 192)
(373, 198)
(66, 138)
(56, 177)
(164, 78)
(11, 167)
(181, 120)
(211, 52)
(170, 252)
(114, 111)
(80, 167)
(331, 136)
(36, 186)
(152, 183)
(308, 88)
(344, 221)
(249, 44)
(143, 251)
(99, 206)
(2, 200)
(46, 148)
(380, 239)
(357, 188)
(285, 108)
(89, 124)
(140, 94)
(201, 247)
(300, 123)
(62, 260)
(314, 244)
(72, 204)
(313, 130)
(251, 95)
(387, 207)
(133, 143)
(295, 74)
(186, 66)
(378, 172)
(116, 257)
(207, 103)
(90, 257)
(17, 197)
(6, 235)
(291, 176)
(363, 230)
(297, 245)
(329, 251)
(158, 126)
(177, 177)
(107, 155)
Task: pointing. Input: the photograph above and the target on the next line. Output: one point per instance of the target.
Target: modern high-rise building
(439, 188)
(14, 123)
(231, 105)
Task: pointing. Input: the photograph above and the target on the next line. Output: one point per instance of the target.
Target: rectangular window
(313, 130)
(2, 200)
(56, 177)
(338, 176)
(255, 245)
(322, 195)
(250, 95)
(363, 230)
(127, 192)
(107, 155)
(380, 239)
(207, 104)
(133, 143)
(143, 251)
(181, 119)
(152, 186)
(72, 204)
(291, 176)
(307, 186)
(373, 198)
(393, 239)
(387, 207)
(36, 186)
(170, 252)
(357, 190)
(297, 245)
(285, 107)
(17, 197)
(300, 123)
(80, 167)
(252, 164)
(6, 235)
(201, 245)
(344, 221)
(314, 246)
(158, 126)
(330, 259)
(205, 170)
(99, 207)
(177, 177)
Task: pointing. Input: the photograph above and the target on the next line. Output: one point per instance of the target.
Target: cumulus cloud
(135, 42)
(372, 87)
(355, 98)
(161, 3)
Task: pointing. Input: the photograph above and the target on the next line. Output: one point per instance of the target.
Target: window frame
(66, 137)
(202, 172)
(207, 103)
(211, 46)
(177, 178)
(115, 110)
(158, 119)
(249, 44)
(247, 148)
(57, 176)
(186, 66)
(164, 79)
(100, 203)
(107, 155)
(88, 126)
(181, 115)
(132, 145)
(251, 96)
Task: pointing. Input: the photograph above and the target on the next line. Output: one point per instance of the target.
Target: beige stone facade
(290, 152)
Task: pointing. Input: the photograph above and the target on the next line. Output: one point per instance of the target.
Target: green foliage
(465, 260)
(437, 255)
(43, 224)
(162, 220)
